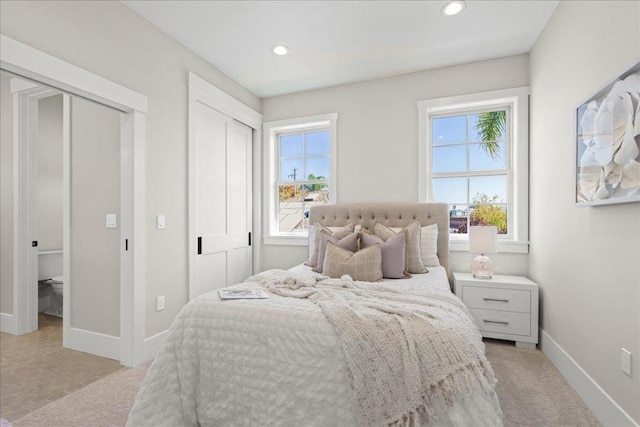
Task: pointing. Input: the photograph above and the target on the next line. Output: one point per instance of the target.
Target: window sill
(286, 240)
(505, 246)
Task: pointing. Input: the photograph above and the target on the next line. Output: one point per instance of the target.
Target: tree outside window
(304, 163)
(470, 168)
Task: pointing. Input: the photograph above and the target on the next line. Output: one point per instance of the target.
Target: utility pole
(294, 175)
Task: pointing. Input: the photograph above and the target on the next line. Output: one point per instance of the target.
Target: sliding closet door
(222, 190)
(239, 206)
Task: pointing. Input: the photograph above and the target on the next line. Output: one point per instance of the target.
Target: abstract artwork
(608, 143)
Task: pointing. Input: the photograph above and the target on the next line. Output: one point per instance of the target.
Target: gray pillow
(364, 265)
(339, 234)
(413, 254)
(393, 261)
(428, 245)
(350, 243)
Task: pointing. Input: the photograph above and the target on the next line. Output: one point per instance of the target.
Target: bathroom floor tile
(35, 369)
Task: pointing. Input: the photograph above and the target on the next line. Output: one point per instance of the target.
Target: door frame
(26, 96)
(36, 65)
(201, 91)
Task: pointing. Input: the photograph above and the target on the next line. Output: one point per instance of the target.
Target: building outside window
(303, 176)
(300, 172)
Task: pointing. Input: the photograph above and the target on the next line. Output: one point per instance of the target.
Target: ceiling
(338, 42)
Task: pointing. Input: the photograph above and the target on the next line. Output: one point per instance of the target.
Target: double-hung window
(474, 158)
(300, 174)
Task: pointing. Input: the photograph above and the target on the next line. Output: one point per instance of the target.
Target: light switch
(160, 222)
(111, 221)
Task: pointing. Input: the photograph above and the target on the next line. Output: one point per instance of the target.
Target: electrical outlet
(625, 361)
(160, 303)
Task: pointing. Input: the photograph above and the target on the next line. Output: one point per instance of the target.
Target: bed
(282, 362)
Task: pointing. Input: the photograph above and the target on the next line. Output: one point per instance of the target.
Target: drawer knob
(501, 322)
(496, 299)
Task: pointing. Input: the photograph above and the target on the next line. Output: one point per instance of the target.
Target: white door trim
(25, 166)
(26, 61)
(223, 102)
(66, 221)
(44, 68)
(204, 92)
(601, 404)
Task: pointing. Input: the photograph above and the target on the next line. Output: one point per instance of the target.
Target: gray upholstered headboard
(391, 215)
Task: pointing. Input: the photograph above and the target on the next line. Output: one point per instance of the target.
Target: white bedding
(274, 362)
(435, 278)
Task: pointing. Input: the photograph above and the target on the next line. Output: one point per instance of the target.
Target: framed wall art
(608, 143)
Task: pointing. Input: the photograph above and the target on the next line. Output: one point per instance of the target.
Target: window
(474, 157)
(300, 172)
(469, 168)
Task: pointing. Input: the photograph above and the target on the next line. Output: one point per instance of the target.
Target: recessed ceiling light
(453, 7)
(280, 50)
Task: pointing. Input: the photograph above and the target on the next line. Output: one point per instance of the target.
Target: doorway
(66, 164)
(128, 347)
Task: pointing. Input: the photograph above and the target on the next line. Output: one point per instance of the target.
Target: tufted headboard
(391, 215)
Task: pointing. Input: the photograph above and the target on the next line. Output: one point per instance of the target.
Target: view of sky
(456, 149)
(307, 153)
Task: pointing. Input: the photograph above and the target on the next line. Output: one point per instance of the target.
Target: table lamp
(483, 240)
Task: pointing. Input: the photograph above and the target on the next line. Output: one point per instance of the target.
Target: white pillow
(428, 244)
(312, 239)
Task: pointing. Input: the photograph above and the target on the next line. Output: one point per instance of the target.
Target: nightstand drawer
(503, 322)
(497, 299)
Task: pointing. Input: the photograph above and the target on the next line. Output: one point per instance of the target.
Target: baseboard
(94, 343)
(8, 324)
(600, 403)
(153, 344)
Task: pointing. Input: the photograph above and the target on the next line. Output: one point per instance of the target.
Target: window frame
(517, 157)
(507, 170)
(272, 131)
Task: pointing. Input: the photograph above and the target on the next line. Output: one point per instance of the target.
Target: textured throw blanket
(401, 350)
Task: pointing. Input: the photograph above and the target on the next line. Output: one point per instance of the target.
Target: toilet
(57, 284)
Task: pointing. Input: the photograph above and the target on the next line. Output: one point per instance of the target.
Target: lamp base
(482, 267)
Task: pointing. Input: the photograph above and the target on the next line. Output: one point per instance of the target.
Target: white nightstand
(504, 307)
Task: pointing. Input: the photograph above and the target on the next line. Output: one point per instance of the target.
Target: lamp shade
(483, 239)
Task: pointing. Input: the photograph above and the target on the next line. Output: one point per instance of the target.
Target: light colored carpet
(105, 403)
(531, 392)
(36, 370)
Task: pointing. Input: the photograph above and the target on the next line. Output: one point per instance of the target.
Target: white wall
(95, 192)
(6, 195)
(50, 173)
(109, 39)
(586, 259)
(378, 137)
